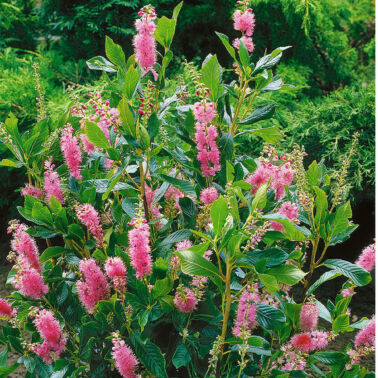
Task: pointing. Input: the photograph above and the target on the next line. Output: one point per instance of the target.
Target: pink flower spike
(366, 337)
(32, 191)
(6, 310)
(185, 244)
(124, 358)
(367, 258)
(139, 251)
(204, 112)
(116, 270)
(30, 283)
(52, 185)
(309, 316)
(246, 314)
(209, 195)
(244, 22)
(184, 300)
(71, 152)
(302, 342)
(89, 217)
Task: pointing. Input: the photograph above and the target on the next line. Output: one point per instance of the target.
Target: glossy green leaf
(260, 113)
(218, 214)
(51, 252)
(211, 73)
(115, 53)
(96, 135)
(287, 274)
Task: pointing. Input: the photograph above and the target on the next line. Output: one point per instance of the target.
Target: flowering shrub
(168, 253)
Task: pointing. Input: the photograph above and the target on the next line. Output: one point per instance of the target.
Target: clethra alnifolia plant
(149, 247)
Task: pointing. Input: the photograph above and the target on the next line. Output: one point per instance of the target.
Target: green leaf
(10, 163)
(270, 282)
(262, 112)
(292, 231)
(176, 10)
(341, 219)
(269, 134)
(153, 125)
(259, 200)
(193, 264)
(5, 371)
(50, 253)
(321, 206)
(357, 274)
(115, 53)
(313, 174)
(128, 122)
(95, 135)
(341, 323)
(329, 358)
(150, 355)
(243, 54)
(287, 274)
(211, 73)
(327, 276)
(130, 83)
(162, 288)
(270, 317)
(175, 237)
(218, 214)
(224, 39)
(270, 60)
(182, 357)
(184, 186)
(165, 30)
(4, 357)
(99, 63)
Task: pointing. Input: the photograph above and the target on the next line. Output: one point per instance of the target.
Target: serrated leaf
(96, 136)
(181, 357)
(287, 274)
(262, 112)
(218, 214)
(51, 252)
(270, 317)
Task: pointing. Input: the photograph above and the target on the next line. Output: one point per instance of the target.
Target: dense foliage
(169, 253)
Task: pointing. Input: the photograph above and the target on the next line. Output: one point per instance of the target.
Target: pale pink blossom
(367, 258)
(116, 270)
(185, 300)
(366, 337)
(182, 245)
(93, 287)
(174, 195)
(247, 42)
(309, 316)
(30, 283)
(25, 247)
(347, 293)
(88, 147)
(54, 341)
(71, 152)
(290, 210)
(209, 195)
(32, 191)
(244, 21)
(6, 310)
(246, 313)
(124, 358)
(204, 112)
(52, 185)
(140, 250)
(89, 217)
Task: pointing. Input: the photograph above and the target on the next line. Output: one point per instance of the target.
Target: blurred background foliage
(331, 63)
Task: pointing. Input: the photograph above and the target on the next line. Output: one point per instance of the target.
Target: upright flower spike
(54, 341)
(309, 315)
(88, 215)
(246, 313)
(244, 21)
(205, 135)
(94, 287)
(367, 258)
(25, 247)
(144, 42)
(124, 358)
(185, 300)
(71, 151)
(366, 337)
(52, 185)
(116, 270)
(30, 283)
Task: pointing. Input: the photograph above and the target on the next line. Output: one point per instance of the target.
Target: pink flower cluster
(52, 185)
(245, 23)
(290, 210)
(185, 300)
(206, 134)
(209, 195)
(6, 310)
(71, 151)
(124, 358)
(89, 217)
(367, 258)
(28, 279)
(94, 287)
(174, 195)
(144, 41)
(139, 251)
(279, 178)
(309, 315)
(116, 270)
(246, 313)
(309, 341)
(54, 341)
(32, 191)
